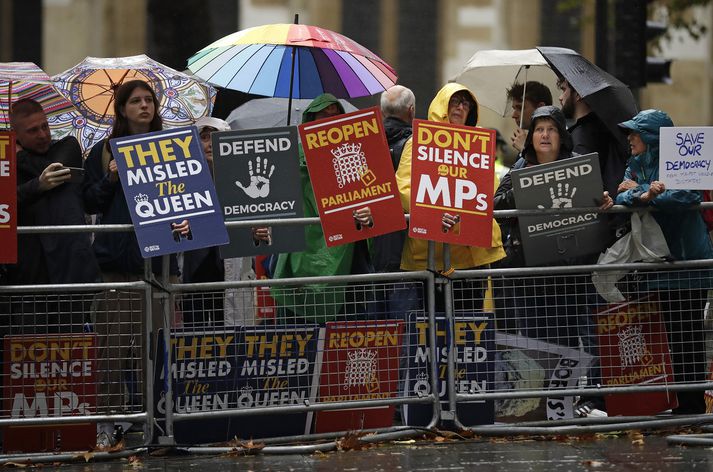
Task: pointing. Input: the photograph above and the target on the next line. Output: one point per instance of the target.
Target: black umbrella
(608, 97)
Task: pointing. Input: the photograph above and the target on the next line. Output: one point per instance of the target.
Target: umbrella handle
(292, 76)
(524, 91)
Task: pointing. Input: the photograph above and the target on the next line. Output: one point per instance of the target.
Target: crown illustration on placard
(362, 355)
(347, 149)
(140, 198)
(630, 332)
(422, 376)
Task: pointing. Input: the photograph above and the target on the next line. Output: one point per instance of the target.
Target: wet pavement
(603, 453)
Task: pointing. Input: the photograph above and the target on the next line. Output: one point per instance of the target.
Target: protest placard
(350, 168)
(8, 198)
(474, 356)
(240, 368)
(633, 348)
(452, 171)
(685, 158)
(524, 363)
(166, 180)
(568, 183)
(203, 369)
(360, 362)
(49, 376)
(257, 177)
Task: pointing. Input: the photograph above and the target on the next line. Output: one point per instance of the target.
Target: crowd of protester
(547, 309)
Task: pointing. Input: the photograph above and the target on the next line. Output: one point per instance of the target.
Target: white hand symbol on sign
(259, 185)
(563, 197)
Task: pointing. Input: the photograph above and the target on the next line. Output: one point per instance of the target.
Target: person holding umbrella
(590, 134)
(536, 95)
(683, 293)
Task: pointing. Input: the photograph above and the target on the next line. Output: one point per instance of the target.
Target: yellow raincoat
(415, 252)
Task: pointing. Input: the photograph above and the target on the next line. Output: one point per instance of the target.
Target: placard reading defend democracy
(257, 177)
(452, 171)
(569, 183)
(685, 158)
(8, 198)
(350, 168)
(166, 180)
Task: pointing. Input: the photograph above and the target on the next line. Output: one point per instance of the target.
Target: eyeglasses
(456, 101)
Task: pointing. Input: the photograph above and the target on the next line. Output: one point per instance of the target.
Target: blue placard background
(261, 381)
(166, 180)
(477, 371)
(247, 362)
(193, 392)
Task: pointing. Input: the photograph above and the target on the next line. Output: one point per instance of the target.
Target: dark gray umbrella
(271, 112)
(608, 97)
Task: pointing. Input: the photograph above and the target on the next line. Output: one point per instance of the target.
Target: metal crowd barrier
(497, 351)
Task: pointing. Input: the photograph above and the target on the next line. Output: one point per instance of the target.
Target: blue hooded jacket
(684, 230)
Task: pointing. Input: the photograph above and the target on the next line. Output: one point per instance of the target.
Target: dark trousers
(683, 311)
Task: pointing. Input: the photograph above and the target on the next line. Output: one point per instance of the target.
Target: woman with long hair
(118, 320)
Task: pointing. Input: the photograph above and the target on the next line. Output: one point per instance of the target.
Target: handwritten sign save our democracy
(166, 180)
(686, 157)
(350, 168)
(452, 171)
(8, 199)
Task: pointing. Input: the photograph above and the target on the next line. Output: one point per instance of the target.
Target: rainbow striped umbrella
(258, 61)
(20, 80)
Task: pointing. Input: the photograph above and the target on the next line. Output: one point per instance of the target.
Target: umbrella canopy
(90, 85)
(20, 80)
(490, 73)
(258, 61)
(608, 97)
(272, 112)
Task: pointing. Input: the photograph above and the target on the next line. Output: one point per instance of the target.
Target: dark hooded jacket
(51, 258)
(386, 249)
(504, 196)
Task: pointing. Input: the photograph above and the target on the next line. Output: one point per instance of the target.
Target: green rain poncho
(315, 303)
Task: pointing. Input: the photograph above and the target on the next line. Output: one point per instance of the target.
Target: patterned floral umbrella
(90, 86)
(20, 80)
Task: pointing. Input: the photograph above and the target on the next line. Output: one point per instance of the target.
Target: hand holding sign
(259, 186)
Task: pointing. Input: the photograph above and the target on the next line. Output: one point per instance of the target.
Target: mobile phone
(76, 175)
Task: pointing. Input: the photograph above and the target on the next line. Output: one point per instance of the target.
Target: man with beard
(590, 134)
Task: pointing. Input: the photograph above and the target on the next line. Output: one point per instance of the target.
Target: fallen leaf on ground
(351, 442)
(593, 463)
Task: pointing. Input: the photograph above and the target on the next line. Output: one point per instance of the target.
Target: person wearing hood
(683, 293)
(454, 104)
(318, 303)
(542, 308)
